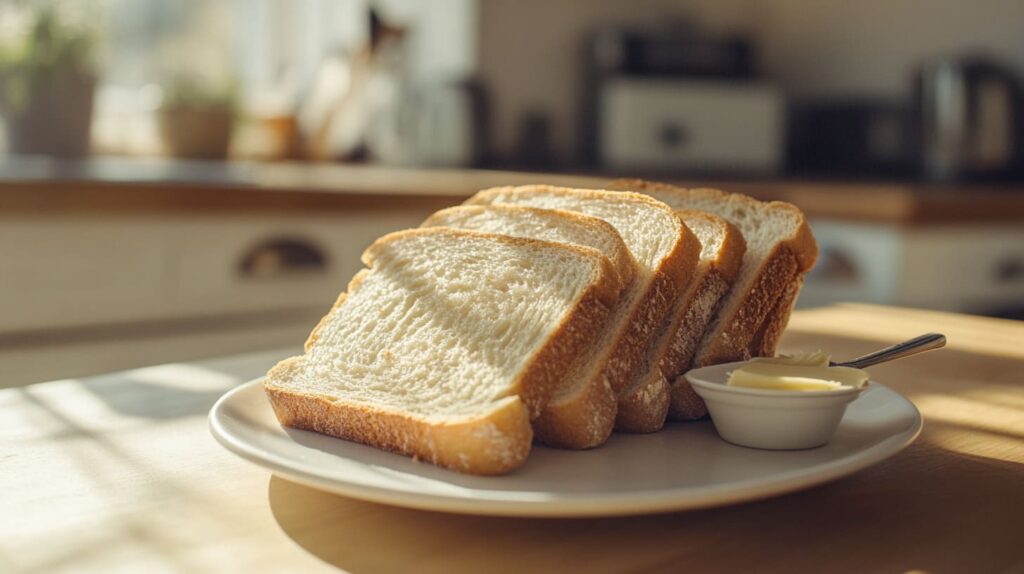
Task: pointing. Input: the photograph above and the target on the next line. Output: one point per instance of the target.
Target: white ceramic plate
(685, 466)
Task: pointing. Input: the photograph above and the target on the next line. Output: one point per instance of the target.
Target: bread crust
(495, 443)
(684, 403)
(766, 341)
(549, 367)
(587, 409)
(801, 243)
(582, 416)
(643, 407)
(732, 342)
(787, 263)
(664, 289)
(671, 354)
(667, 282)
(581, 420)
(713, 280)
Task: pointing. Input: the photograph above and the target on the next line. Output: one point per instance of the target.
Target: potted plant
(196, 118)
(47, 82)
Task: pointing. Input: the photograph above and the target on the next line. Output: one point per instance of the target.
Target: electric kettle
(969, 116)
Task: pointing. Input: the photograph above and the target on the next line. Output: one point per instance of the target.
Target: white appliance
(666, 125)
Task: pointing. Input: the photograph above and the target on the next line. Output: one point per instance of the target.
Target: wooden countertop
(119, 472)
(35, 185)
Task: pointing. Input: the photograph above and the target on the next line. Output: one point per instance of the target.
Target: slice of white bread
(548, 224)
(780, 250)
(447, 345)
(643, 408)
(666, 252)
(588, 416)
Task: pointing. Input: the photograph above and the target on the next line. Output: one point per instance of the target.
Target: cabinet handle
(282, 257)
(1010, 270)
(673, 136)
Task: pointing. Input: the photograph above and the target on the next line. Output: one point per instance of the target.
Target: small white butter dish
(770, 419)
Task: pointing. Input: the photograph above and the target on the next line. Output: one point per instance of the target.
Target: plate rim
(641, 503)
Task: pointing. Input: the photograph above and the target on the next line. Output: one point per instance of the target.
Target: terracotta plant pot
(197, 132)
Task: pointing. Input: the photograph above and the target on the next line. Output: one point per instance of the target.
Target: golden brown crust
(802, 243)
(580, 420)
(685, 404)
(715, 280)
(671, 354)
(699, 310)
(546, 371)
(657, 303)
(490, 444)
(792, 257)
(549, 367)
(732, 342)
(646, 397)
(729, 258)
(766, 340)
(666, 284)
(643, 407)
(495, 444)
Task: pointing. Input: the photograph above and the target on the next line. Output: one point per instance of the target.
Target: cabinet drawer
(58, 273)
(263, 264)
(71, 272)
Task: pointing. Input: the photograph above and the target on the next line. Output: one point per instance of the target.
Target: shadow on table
(178, 390)
(927, 509)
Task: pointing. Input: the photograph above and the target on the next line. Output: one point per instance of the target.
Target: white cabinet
(63, 272)
(975, 268)
(90, 293)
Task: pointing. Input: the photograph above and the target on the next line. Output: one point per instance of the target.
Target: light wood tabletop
(119, 473)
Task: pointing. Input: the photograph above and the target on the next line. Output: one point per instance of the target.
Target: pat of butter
(814, 359)
(805, 372)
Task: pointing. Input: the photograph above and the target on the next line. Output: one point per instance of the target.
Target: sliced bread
(548, 224)
(780, 250)
(447, 345)
(666, 253)
(643, 408)
(588, 417)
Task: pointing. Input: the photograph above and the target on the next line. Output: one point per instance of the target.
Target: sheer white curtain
(270, 51)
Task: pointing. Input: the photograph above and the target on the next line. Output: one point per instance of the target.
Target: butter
(801, 372)
(804, 359)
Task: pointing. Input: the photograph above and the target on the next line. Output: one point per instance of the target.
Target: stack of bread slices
(545, 314)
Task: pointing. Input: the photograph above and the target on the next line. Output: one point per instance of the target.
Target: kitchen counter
(119, 473)
(126, 185)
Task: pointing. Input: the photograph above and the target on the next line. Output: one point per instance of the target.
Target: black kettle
(969, 119)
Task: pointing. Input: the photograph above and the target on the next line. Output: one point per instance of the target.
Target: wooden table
(119, 473)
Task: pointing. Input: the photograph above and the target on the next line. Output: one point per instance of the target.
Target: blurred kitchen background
(186, 178)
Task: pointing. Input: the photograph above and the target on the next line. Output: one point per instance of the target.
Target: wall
(529, 49)
(871, 47)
